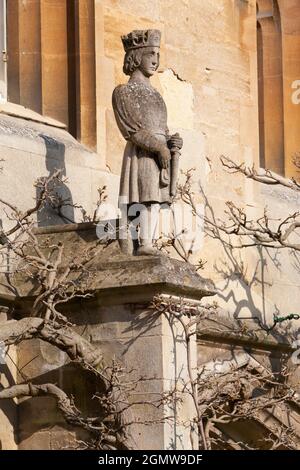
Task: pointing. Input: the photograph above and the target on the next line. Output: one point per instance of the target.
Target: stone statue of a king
(150, 162)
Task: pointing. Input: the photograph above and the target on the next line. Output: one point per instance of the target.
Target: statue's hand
(175, 141)
(164, 157)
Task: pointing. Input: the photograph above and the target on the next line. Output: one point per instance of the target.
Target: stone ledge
(152, 274)
(118, 275)
(16, 110)
(142, 276)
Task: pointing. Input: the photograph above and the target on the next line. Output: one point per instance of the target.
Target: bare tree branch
(63, 337)
(262, 175)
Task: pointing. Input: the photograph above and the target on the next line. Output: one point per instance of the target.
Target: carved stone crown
(141, 38)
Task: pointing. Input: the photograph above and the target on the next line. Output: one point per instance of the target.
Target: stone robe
(139, 107)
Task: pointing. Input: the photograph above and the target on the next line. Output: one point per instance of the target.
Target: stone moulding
(117, 275)
(119, 321)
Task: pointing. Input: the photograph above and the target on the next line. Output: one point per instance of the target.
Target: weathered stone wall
(31, 149)
(208, 77)
(118, 319)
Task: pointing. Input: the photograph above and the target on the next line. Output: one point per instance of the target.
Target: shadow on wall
(232, 268)
(39, 413)
(60, 210)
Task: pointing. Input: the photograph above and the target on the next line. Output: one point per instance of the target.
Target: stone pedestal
(119, 319)
(153, 350)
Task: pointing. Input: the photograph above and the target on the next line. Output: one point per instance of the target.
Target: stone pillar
(24, 54)
(110, 143)
(152, 347)
(38, 56)
(105, 79)
(85, 72)
(120, 320)
(54, 59)
(51, 61)
(270, 88)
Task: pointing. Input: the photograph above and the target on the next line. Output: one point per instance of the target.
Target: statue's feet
(147, 250)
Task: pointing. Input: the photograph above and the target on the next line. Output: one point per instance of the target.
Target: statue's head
(141, 51)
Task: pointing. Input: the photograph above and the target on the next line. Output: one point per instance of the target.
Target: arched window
(270, 86)
(51, 61)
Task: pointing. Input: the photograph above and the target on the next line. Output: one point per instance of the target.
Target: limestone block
(191, 70)
(16, 110)
(54, 63)
(99, 179)
(99, 30)
(156, 355)
(129, 320)
(178, 96)
(120, 321)
(106, 86)
(38, 413)
(147, 414)
(37, 358)
(144, 9)
(194, 152)
(36, 441)
(60, 439)
(117, 23)
(153, 272)
(31, 150)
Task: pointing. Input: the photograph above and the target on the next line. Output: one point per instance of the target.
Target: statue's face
(150, 61)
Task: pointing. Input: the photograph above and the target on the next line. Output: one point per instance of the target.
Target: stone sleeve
(147, 141)
(124, 117)
(131, 127)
